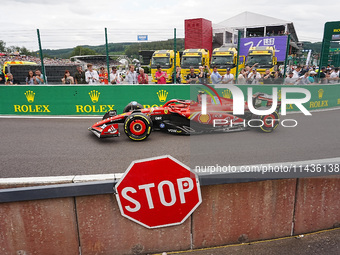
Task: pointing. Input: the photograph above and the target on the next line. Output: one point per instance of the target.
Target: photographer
(204, 74)
(91, 76)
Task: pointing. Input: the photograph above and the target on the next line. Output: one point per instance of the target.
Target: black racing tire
(270, 122)
(109, 114)
(132, 106)
(138, 126)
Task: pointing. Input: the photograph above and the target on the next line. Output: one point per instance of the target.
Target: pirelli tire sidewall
(137, 126)
(268, 126)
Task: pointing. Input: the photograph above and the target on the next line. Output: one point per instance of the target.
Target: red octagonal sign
(158, 192)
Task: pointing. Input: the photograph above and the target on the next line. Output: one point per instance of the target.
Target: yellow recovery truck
(263, 57)
(193, 58)
(165, 59)
(225, 58)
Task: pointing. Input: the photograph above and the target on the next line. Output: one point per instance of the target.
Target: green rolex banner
(97, 100)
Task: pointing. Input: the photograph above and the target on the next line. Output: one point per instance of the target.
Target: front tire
(138, 126)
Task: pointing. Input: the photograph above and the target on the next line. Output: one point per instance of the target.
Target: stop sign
(158, 192)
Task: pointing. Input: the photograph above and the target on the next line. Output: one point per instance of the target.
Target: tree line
(129, 49)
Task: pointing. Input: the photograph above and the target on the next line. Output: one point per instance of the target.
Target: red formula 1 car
(185, 117)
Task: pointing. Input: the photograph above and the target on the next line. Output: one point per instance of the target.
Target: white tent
(250, 19)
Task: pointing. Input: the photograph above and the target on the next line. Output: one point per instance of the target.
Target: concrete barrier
(317, 204)
(251, 211)
(229, 213)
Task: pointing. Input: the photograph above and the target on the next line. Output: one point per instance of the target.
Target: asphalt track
(55, 147)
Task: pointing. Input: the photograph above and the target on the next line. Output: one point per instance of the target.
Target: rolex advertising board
(97, 100)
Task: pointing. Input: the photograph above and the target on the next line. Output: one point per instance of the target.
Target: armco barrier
(97, 100)
(229, 213)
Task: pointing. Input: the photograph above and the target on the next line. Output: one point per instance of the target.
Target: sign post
(158, 192)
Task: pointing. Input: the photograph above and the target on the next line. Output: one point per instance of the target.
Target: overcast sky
(68, 23)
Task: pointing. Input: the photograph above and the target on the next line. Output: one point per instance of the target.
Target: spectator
(39, 77)
(2, 77)
(323, 78)
(204, 74)
(296, 72)
(30, 79)
(131, 75)
(192, 78)
(334, 76)
(228, 78)
(267, 77)
(254, 77)
(242, 77)
(11, 80)
(160, 76)
(115, 78)
(79, 76)
(311, 76)
(177, 76)
(103, 76)
(68, 79)
(303, 80)
(91, 76)
(290, 80)
(143, 78)
(216, 78)
(277, 77)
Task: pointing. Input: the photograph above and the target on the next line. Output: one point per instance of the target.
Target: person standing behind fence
(114, 76)
(334, 76)
(228, 78)
(241, 79)
(177, 76)
(160, 76)
(204, 74)
(30, 79)
(2, 77)
(216, 78)
(79, 76)
(39, 77)
(254, 77)
(68, 79)
(103, 76)
(91, 76)
(131, 75)
(11, 80)
(143, 78)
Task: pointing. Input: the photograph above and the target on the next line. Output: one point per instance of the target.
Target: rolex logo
(94, 95)
(226, 93)
(30, 96)
(320, 93)
(162, 95)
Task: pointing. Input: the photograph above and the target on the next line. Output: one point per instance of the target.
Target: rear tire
(270, 122)
(138, 126)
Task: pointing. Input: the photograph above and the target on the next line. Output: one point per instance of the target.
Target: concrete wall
(229, 213)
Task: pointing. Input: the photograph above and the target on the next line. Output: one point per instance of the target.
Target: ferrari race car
(185, 117)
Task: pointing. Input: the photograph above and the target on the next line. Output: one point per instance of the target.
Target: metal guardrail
(107, 187)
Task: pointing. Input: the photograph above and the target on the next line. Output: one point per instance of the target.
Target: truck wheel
(133, 106)
(138, 126)
(270, 122)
